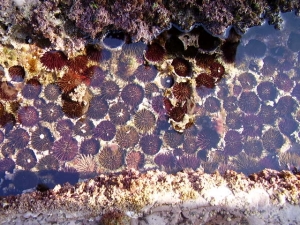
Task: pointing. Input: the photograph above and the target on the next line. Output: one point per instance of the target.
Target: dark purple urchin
(64, 127)
(144, 120)
(167, 81)
(32, 89)
(150, 144)
(285, 106)
(6, 164)
(135, 160)
(190, 145)
(267, 91)
(155, 53)
(24, 179)
(182, 67)
(52, 92)
(73, 109)
(26, 158)
(48, 162)
(145, 73)
(253, 148)
(111, 158)
(127, 136)
(110, 90)
(177, 113)
(65, 149)
(252, 125)
(296, 91)
(249, 102)
(96, 54)
(119, 113)
(188, 161)
(182, 91)
(19, 138)
(28, 116)
(212, 104)
(234, 120)
(217, 71)
(17, 73)
(89, 147)
(207, 139)
(98, 108)
(96, 74)
(54, 60)
(272, 140)
(132, 94)
(267, 114)
(234, 144)
(84, 127)
(173, 138)
(166, 161)
(283, 82)
(42, 139)
(51, 112)
(106, 130)
(247, 81)
(230, 103)
(287, 126)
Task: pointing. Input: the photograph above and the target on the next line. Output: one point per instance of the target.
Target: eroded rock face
(133, 196)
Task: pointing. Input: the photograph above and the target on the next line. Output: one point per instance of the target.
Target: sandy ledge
(188, 197)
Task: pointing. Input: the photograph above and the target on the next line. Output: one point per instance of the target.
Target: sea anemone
(207, 139)
(96, 75)
(155, 53)
(19, 138)
(52, 92)
(48, 162)
(42, 139)
(212, 104)
(150, 144)
(127, 136)
(78, 64)
(272, 140)
(26, 158)
(230, 103)
(64, 127)
(182, 91)
(65, 149)
(173, 138)
(98, 108)
(132, 94)
(32, 89)
(89, 147)
(17, 73)
(24, 179)
(135, 160)
(144, 120)
(84, 127)
(266, 91)
(188, 161)
(204, 79)
(247, 80)
(182, 67)
(54, 60)
(110, 90)
(106, 130)
(119, 113)
(28, 116)
(51, 112)
(145, 73)
(111, 158)
(249, 102)
(283, 82)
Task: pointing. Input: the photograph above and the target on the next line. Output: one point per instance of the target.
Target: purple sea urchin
(166, 161)
(52, 92)
(247, 81)
(65, 149)
(105, 130)
(267, 114)
(110, 90)
(173, 138)
(272, 140)
(255, 48)
(249, 102)
(285, 106)
(150, 144)
(54, 60)
(135, 160)
(26, 158)
(96, 74)
(283, 82)
(89, 147)
(51, 112)
(8, 149)
(17, 73)
(19, 138)
(132, 94)
(127, 136)
(28, 116)
(144, 120)
(253, 148)
(287, 126)
(48, 162)
(230, 103)
(145, 73)
(32, 89)
(190, 145)
(7, 164)
(188, 161)
(266, 91)
(212, 104)
(233, 143)
(42, 139)
(98, 108)
(207, 139)
(234, 120)
(64, 127)
(119, 113)
(84, 127)
(111, 157)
